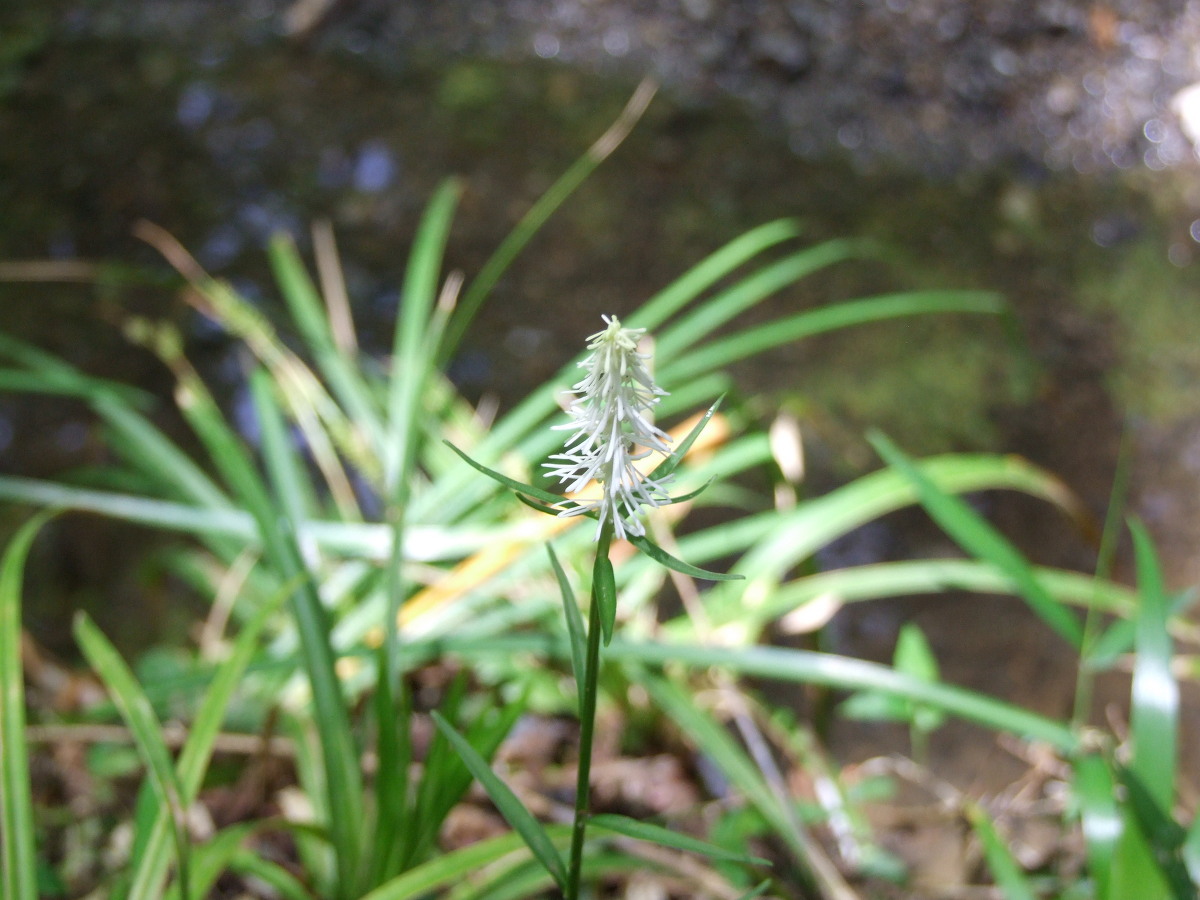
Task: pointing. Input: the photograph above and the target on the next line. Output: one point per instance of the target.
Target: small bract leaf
(604, 593)
(513, 810)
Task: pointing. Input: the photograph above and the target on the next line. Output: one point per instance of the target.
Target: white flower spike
(612, 432)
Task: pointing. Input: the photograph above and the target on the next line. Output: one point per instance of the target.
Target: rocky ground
(938, 84)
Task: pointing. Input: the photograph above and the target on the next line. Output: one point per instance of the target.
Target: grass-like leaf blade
(17, 852)
(743, 344)
(659, 555)
(447, 869)
(757, 891)
(533, 220)
(1102, 822)
(1191, 850)
(340, 370)
(511, 483)
(1010, 877)
(1154, 716)
(412, 352)
(1159, 860)
(145, 728)
(784, 664)
(718, 746)
(671, 463)
(677, 341)
(343, 779)
(514, 812)
(709, 271)
(543, 508)
(657, 834)
(197, 749)
(289, 482)
(58, 376)
(576, 631)
(979, 538)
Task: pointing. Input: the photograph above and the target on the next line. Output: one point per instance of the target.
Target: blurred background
(1042, 150)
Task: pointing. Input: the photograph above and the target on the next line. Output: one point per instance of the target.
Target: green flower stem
(587, 727)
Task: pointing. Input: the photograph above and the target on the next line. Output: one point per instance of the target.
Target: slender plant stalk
(587, 728)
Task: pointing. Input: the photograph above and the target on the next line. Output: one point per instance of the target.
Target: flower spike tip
(612, 432)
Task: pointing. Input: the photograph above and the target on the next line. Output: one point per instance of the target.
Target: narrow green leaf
(150, 869)
(315, 847)
(481, 286)
(413, 356)
(226, 851)
(978, 537)
(543, 508)
(1154, 716)
(511, 483)
(656, 834)
(284, 884)
(18, 860)
(17, 381)
(752, 341)
(783, 664)
(343, 779)
(1010, 877)
(139, 716)
(290, 484)
(1165, 834)
(913, 655)
(671, 463)
(506, 801)
(339, 752)
(298, 291)
(712, 269)
(62, 377)
(1096, 793)
(211, 859)
(714, 741)
(447, 779)
(775, 542)
(1191, 850)
(659, 555)
(691, 495)
(575, 627)
(343, 374)
(447, 869)
(927, 576)
(145, 447)
(871, 706)
(393, 717)
(757, 891)
(1150, 850)
(677, 341)
(444, 776)
(362, 539)
(1136, 872)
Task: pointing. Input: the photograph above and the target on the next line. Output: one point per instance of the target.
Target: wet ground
(988, 145)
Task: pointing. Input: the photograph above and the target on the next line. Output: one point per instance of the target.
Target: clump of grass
(350, 546)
